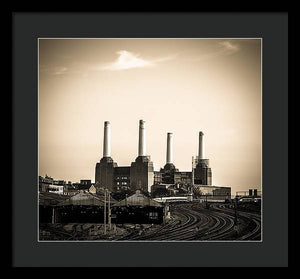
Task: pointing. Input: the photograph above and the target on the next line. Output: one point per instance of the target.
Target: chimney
(106, 139)
(170, 148)
(201, 154)
(142, 138)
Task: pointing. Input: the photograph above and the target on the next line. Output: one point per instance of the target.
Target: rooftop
(137, 199)
(86, 198)
(50, 199)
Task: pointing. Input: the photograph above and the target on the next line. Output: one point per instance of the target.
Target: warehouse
(138, 209)
(47, 203)
(84, 207)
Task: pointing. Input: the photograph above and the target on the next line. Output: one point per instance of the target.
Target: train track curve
(192, 221)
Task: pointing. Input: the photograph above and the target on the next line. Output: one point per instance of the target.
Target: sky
(181, 86)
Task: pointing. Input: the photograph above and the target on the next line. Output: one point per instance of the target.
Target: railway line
(194, 222)
(253, 221)
(190, 222)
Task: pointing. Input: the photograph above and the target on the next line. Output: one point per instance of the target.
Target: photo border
(28, 26)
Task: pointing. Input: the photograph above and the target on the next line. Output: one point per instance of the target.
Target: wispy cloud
(223, 48)
(229, 47)
(128, 60)
(63, 70)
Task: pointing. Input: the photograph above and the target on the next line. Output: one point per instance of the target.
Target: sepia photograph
(150, 140)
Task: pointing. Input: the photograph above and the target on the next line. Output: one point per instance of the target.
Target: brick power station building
(141, 175)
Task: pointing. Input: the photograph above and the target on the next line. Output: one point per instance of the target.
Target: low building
(249, 193)
(86, 182)
(82, 185)
(160, 190)
(138, 209)
(47, 203)
(44, 183)
(57, 189)
(48, 184)
(59, 182)
(218, 193)
(83, 207)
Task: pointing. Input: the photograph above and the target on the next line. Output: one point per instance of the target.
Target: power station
(119, 206)
(140, 175)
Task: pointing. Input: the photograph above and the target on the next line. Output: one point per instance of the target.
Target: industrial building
(47, 203)
(86, 207)
(138, 209)
(140, 175)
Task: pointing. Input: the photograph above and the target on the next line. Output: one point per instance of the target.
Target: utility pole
(193, 175)
(235, 212)
(53, 215)
(236, 228)
(109, 217)
(105, 211)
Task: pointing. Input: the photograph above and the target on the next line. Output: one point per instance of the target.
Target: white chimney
(201, 154)
(142, 138)
(170, 148)
(106, 139)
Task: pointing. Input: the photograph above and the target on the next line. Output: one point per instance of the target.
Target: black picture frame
(272, 27)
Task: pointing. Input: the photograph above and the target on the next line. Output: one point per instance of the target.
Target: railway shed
(138, 209)
(47, 203)
(84, 207)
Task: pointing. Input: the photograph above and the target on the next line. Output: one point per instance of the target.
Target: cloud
(57, 70)
(223, 48)
(74, 69)
(229, 47)
(128, 60)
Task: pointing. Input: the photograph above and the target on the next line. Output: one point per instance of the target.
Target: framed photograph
(149, 143)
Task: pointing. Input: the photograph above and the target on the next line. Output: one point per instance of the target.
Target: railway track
(252, 219)
(194, 222)
(191, 222)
